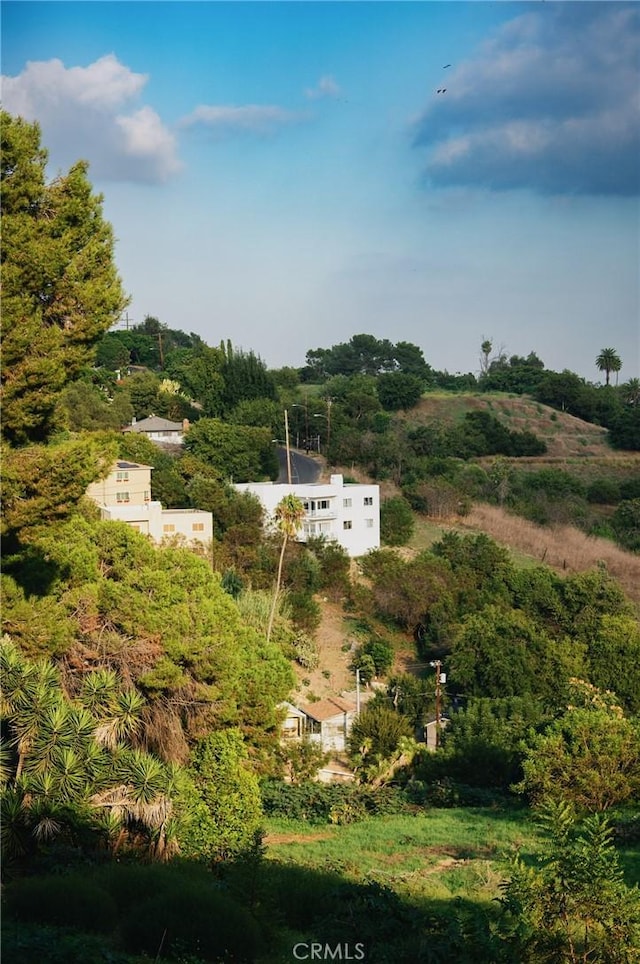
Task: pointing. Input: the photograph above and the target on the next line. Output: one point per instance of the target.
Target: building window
(122, 476)
(305, 505)
(147, 495)
(168, 528)
(347, 524)
(197, 527)
(324, 527)
(369, 523)
(323, 503)
(346, 503)
(122, 496)
(368, 500)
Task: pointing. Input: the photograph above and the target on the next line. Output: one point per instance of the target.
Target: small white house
(125, 496)
(347, 513)
(160, 430)
(327, 722)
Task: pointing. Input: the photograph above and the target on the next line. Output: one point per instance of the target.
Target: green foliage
(377, 732)
(301, 761)
(396, 521)
(162, 615)
(60, 288)
(70, 768)
(626, 524)
(398, 390)
(614, 658)
(243, 453)
(373, 658)
(624, 429)
(44, 484)
(230, 792)
(482, 743)
(245, 377)
(589, 756)
(68, 900)
(87, 407)
(573, 904)
(315, 802)
(503, 653)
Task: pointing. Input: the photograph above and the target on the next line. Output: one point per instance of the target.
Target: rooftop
(325, 709)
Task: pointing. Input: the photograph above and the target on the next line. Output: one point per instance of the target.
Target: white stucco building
(347, 513)
(125, 495)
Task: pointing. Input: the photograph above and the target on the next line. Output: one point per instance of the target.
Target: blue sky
(287, 175)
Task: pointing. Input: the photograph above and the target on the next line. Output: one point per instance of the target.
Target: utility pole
(286, 438)
(440, 679)
(357, 691)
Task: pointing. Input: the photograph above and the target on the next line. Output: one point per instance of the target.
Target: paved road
(303, 467)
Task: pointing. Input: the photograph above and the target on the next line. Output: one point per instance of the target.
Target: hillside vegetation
(566, 436)
(144, 684)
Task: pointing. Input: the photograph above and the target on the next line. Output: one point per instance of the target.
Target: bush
(68, 901)
(192, 919)
(41, 944)
(377, 653)
(396, 521)
(603, 492)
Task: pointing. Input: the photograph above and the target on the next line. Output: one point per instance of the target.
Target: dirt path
(333, 676)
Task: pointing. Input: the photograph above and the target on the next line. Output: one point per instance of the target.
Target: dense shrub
(376, 653)
(396, 521)
(604, 492)
(321, 802)
(199, 921)
(68, 901)
(43, 944)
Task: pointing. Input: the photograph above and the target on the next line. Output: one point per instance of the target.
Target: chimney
(185, 424)
(133, 420)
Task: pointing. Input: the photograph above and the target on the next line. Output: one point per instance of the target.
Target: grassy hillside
(566, 437)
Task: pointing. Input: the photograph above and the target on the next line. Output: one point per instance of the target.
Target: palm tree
(631, 391)
(608, 361)
(288, 516)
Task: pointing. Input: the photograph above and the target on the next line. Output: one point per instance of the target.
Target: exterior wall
(127, 484)
(176, 438)
(125, 496)
(348, 514)
(194, 524)
(160, 430)
(331, 734)
(145, 518)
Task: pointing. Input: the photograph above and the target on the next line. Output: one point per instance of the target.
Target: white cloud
(551, 104)
(326, 87)
(86, 112)
(254, 118)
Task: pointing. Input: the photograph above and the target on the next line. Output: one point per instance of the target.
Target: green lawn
(439, 854)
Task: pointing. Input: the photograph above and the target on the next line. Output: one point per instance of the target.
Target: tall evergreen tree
(61, 290)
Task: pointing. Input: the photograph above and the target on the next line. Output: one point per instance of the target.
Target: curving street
(304, 468)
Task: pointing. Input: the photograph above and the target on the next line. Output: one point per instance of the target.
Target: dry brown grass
(562, 547)
(566, 436)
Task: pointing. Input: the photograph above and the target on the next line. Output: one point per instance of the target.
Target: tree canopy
(61, 290)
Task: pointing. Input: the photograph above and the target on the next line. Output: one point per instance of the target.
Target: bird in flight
(441, 90)
(445, 66)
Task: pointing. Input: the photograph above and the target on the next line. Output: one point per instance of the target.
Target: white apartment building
(125, 496)
(347, 513)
